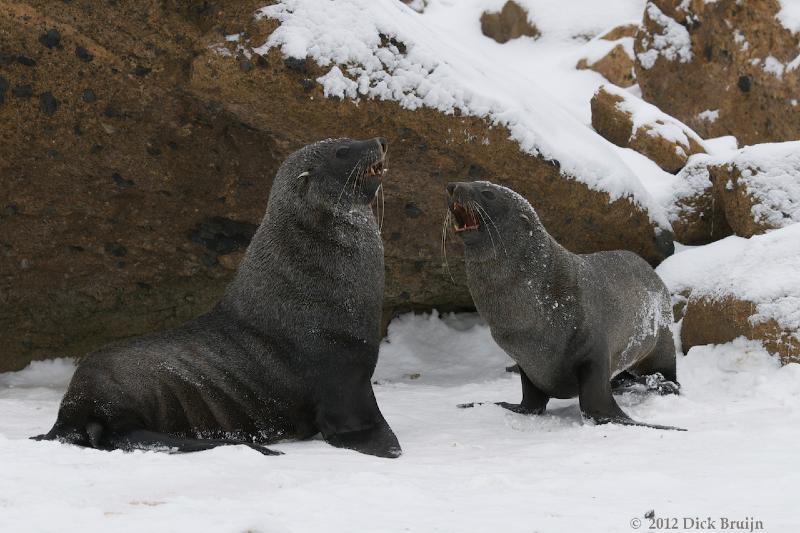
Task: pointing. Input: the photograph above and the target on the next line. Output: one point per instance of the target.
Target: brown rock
(721, 67)
(126, 213)
(616, 66)
(510, 23)
(717, 321)
(626, 121)
(748, 192)
(620, 32)
(698, 216)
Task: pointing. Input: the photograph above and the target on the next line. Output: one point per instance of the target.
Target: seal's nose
(384, 144)
(452, 187)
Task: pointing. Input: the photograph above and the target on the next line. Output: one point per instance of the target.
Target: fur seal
(289, 350)
(572, 322)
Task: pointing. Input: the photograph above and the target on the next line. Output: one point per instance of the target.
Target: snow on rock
(671, 41)
(631, 122)
(740, 287)
(466, 470)
(511, 22)
(611, 59)
(391, 52)
(756, 187)
(789, 15)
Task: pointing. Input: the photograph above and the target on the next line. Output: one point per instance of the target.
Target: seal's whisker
(383, 207)
(445, 226)
(477, 210)
(347, 181)
(499, 236)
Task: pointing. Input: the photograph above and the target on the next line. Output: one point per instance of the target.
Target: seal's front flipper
(596, 401)
(348, 417)
(144, 440)
(534, 401)
(378, 440)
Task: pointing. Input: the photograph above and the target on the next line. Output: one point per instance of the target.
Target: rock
(51, 39)
(26, 61)
(696, 214)
(740, 287)
(83, 54)
(759, 187)
(88, 96)
(48, 103)
(511, 22)
(746, 192)
(722, 68)
(23, 91)
(416, 5)
(620, 32)
(630, 122)
(616, 66)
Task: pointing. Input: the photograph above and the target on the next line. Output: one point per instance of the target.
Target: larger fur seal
(289, 350)
(570, 321)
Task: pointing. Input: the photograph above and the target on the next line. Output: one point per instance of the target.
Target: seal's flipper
(378, 440)
(596, 401)
(143, 440)
(534, 401)
(653, 383)
(348, 417)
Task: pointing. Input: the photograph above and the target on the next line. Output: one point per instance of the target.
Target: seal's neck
(303, 264)
(524, 265)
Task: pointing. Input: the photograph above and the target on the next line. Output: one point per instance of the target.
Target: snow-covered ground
(482, 469)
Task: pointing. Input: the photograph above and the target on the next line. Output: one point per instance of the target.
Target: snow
(470, 470)
(709, 115)
(789, 15)
(652, 119)
(440, 59)
(770, 172)
(672, 42)
(762, 269)
(773, 66)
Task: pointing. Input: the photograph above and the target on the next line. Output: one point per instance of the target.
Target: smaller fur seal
(572, 322)
(289, 350)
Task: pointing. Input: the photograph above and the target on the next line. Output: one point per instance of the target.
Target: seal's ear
(302, 182)
(524, 217)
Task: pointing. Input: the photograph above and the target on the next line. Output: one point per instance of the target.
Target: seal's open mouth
(464, 218)
(376, 169)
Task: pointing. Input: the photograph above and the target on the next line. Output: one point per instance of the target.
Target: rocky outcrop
(740, 287)
(137, 152)
(511, 22)
(616, 65)
(722, 67)
(629, 122)
(747, 192)
(696, 213)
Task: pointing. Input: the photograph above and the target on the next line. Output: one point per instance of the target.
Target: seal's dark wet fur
(289, 350)
(572, 322)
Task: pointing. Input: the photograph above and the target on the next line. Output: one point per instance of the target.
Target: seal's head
(335, 172)
(483, 213)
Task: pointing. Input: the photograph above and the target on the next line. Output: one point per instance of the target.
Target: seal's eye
(489, 195)
(342, 152)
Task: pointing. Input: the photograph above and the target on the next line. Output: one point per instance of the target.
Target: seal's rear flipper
(626, 382)
(143, 440)
(627, 421)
